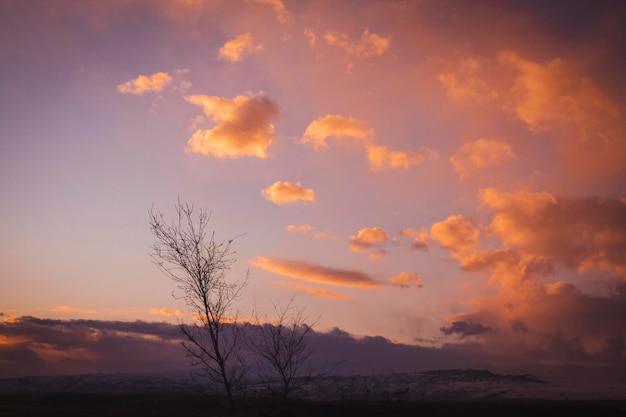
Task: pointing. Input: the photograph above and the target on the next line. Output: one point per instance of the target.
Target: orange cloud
(311, 38)
(368, 238)
(335, 126)
(404, 280)
(166, 312)
(146, 84)
(316, 273)
(420, 238)
(455, 233)
(303, 228)
(73, 310)
(282, 192)
(243, 128)
(584, 233)
(464, 85)
(315, 291)
(381, 158)
(234, 49)
(370, 44)
(473, 156)
(551, 95)
(279, 8)
(306, 228)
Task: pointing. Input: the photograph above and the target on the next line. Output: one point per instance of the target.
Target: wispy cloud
(243, 128)
(315, 291)
(464, 83)
(235, 49)
(166, 312)
(382, 158)
(316, 273)
(282, 15)
(73, 310)
(368, 45)
(482, 153)
(406, 280)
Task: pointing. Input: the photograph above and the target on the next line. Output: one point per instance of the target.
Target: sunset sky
(445, 174)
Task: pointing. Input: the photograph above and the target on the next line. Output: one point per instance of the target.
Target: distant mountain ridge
(448, 384)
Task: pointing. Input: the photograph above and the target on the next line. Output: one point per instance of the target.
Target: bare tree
(281, 345)
(199, 265)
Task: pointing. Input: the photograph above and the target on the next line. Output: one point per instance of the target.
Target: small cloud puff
(146, 84)
(381, 158)
(243, 128)
(282, 192)
(368, 239)
(420, 238)
(455, 233)
(479, 154)
(335, 126)
(234, 49)
(405, 281)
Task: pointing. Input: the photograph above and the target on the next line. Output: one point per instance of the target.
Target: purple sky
(444, 174)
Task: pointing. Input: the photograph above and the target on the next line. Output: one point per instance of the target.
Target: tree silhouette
(199, 265)
(281, 345)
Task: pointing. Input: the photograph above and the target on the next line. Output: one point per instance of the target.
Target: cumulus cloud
(382, 158)
(318, 131)
(234, 49)
(278, 6)
(420, 238)
(316, 273)
(243, 128)
(314, 291)
(465, 328)
(537, 312)
(474, 156)
(553, 94)
(455, 233)
(405, 281)
(582, 233)
(367, 239)
(283, 192)
(146, 84)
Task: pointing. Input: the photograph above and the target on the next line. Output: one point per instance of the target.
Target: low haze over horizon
(443, 174)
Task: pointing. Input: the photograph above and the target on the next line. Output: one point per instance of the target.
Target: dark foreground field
(101, 405)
